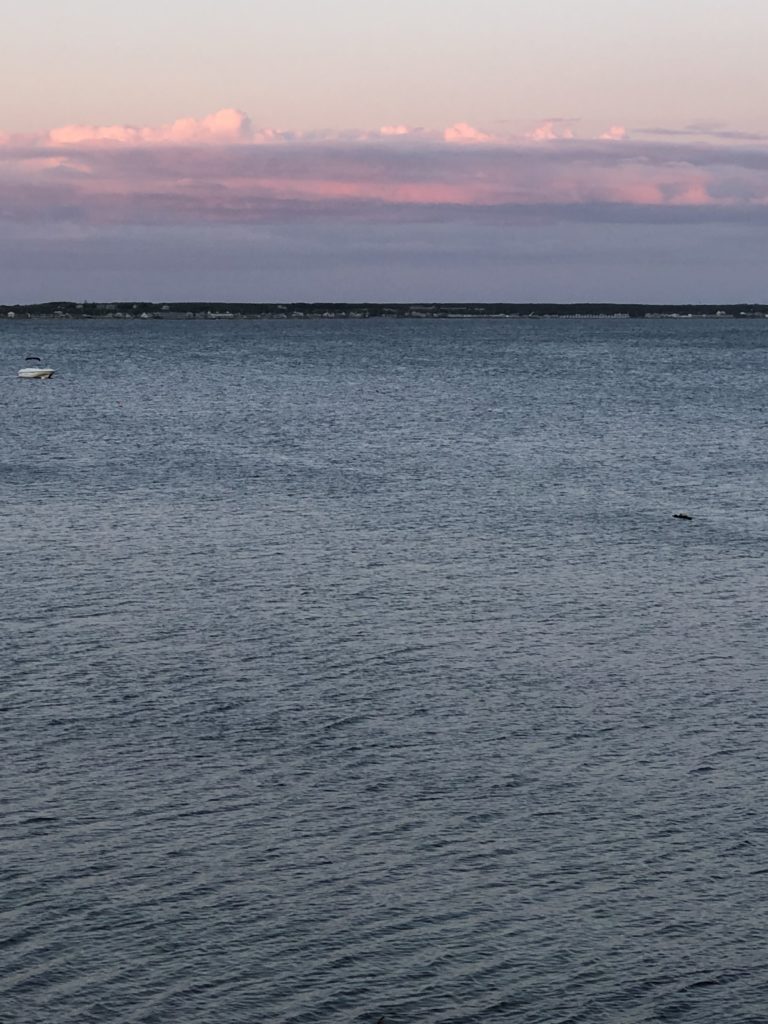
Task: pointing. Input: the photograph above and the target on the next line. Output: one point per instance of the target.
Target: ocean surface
(359, 670)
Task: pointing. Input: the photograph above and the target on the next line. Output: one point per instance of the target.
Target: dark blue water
(359, 670)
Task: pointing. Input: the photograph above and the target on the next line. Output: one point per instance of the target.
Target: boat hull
(36, 373)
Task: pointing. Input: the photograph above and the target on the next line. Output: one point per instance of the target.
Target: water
(359, 670)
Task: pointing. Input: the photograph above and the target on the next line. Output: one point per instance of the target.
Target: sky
(496, 150)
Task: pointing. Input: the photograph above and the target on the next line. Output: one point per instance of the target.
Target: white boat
(35, 372)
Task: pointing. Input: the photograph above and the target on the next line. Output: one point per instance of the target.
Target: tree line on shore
(232, 310)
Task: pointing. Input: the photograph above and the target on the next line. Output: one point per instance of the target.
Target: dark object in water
(681, 515)
(30, 358)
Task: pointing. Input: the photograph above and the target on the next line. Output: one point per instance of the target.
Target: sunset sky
(435, 149)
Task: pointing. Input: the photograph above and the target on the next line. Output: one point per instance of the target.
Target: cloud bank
(222, 169)
(219, 207)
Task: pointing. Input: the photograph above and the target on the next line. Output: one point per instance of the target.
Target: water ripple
(378, 683)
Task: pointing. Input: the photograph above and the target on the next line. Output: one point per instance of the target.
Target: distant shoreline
(366, 310)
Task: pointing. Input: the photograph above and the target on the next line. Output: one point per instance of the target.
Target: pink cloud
(226, 125)
(222, 169)
(395, 130)
(77, 134)
(548, 131)
(616, 133)
(465, 133)
(230, 126)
